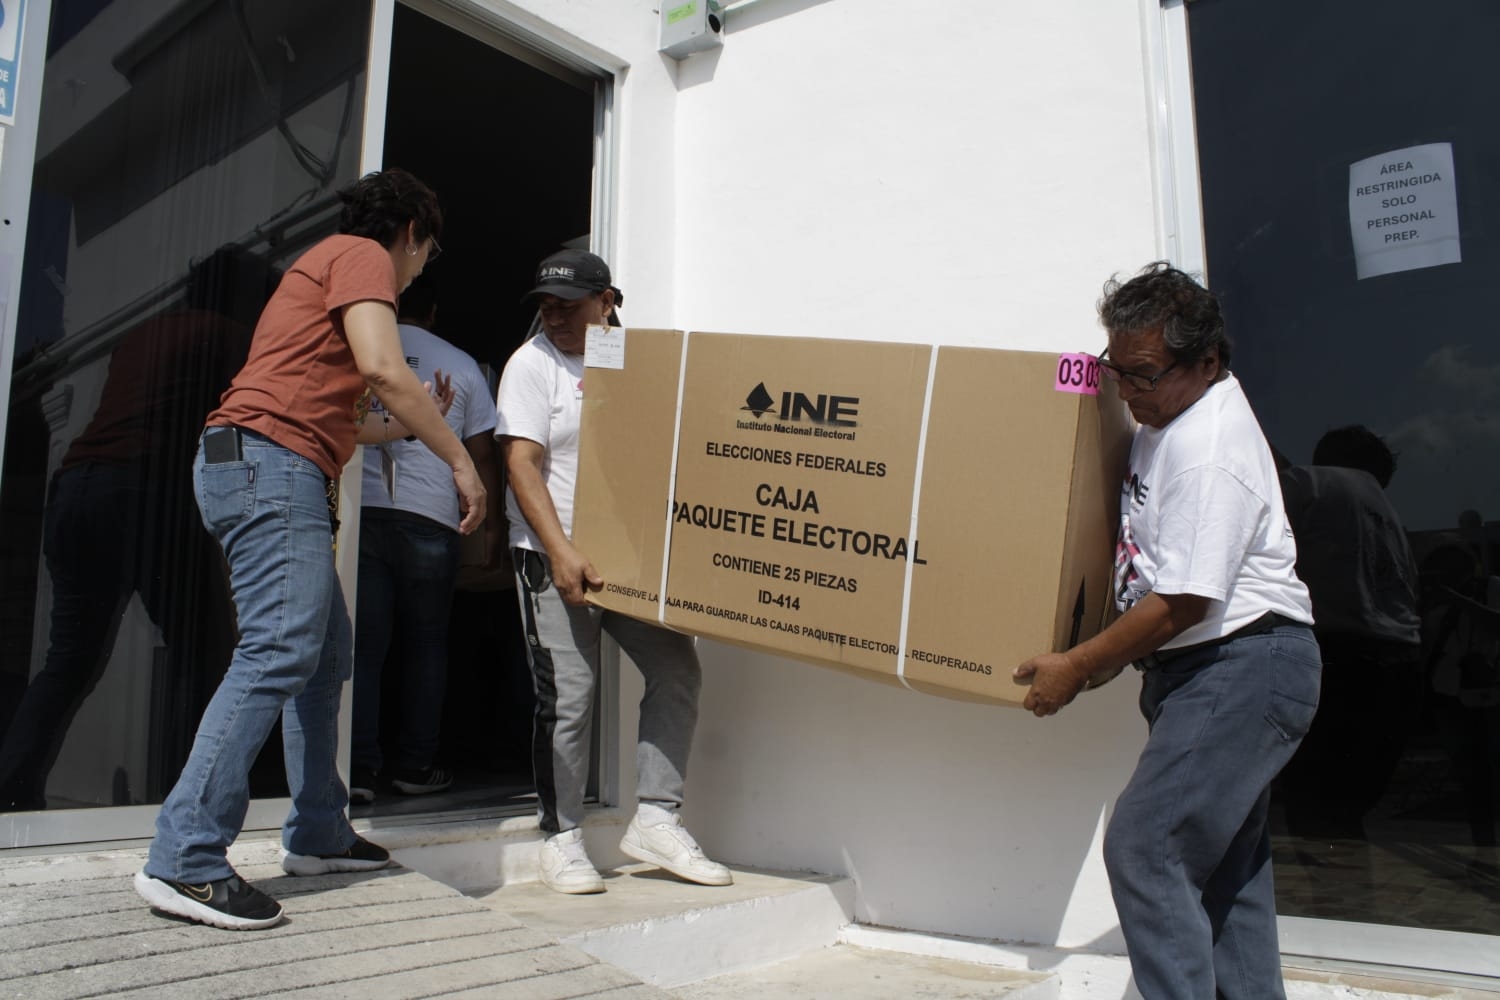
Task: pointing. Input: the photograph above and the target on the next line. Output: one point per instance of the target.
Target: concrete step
(668, 932)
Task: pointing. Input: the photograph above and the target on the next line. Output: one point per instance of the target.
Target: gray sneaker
(667, 844)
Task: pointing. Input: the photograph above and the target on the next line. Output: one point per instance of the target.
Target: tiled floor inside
(1451, 887)
(1428, 859)
(472, 790)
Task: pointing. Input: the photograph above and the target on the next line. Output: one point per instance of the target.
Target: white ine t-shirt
(1201, 513)
(541, 400)
(423, 482)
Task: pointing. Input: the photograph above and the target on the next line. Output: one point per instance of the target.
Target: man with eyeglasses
(540, 404)
(1217, 622)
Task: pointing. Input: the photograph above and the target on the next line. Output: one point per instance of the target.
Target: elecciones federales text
(798, 459)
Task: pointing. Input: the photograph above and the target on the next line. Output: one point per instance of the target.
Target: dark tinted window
(1389, 813)
(182, 161)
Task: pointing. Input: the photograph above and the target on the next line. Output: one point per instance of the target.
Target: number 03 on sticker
(1078, 373)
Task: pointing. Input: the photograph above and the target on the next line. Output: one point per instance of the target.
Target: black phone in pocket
(222, 444)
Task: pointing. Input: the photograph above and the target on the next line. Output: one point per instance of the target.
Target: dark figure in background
(1461, 615)
(409, 554)
(1353, 554)
(120, 520)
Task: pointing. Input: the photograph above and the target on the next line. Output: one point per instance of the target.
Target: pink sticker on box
(1078, 373)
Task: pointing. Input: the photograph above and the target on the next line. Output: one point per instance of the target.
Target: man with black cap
(540, 399)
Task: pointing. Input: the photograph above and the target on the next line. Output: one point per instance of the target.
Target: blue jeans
(1188, 848)
(269, 513)
(407, 566)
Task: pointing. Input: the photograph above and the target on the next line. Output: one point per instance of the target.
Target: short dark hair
(1357, 447)
(380, 204)
(1162, 297)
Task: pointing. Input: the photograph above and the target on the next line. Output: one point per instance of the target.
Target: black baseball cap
(572, 274)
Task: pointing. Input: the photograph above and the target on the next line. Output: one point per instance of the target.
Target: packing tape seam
(916, 500)
(666, 548)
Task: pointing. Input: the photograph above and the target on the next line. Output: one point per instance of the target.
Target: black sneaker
(422, 781)
(362, 781)
(228, 903)
(361, 856)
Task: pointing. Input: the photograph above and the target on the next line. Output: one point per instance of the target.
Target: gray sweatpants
(563, 647)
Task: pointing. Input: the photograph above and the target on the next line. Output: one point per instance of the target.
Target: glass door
(185, 152)
(502, 124)
(1348, 161)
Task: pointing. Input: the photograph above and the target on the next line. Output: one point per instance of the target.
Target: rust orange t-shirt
(300, 386)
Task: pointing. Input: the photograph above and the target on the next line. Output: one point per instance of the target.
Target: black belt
(1264, 623)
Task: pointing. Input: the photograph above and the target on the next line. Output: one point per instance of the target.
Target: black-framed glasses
(1136, 380)
(435, 251)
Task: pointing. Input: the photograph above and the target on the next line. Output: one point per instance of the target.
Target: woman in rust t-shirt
(265, 464)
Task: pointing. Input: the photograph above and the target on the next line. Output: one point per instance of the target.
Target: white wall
(957, 173)
(964, 173)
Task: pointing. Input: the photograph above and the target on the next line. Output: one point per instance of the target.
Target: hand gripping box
(923, 516)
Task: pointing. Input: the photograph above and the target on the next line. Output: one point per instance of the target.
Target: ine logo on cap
(572, 274)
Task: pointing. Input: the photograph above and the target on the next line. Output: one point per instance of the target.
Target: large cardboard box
(912, 514)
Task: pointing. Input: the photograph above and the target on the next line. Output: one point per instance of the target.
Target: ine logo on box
(824, 408)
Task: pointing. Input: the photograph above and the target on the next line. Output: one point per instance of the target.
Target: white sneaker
(667, 844)
(565, 864)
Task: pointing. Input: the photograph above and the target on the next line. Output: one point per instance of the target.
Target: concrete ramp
(73, 927)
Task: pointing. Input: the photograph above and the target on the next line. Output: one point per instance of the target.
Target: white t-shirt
(1201, 513)
(541, 400)
(423, 482)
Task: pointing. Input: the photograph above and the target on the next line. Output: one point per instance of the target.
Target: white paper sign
(604, 347)
(1403, 210)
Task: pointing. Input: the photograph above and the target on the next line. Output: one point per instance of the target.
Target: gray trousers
(562, 643)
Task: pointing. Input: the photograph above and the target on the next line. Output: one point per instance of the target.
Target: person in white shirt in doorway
(409, 557)
(540, 399)
(1216, 620)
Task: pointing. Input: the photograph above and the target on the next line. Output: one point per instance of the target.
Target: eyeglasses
(434, 251)
(1145, 383)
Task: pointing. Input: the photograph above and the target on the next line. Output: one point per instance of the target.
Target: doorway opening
(505, 136)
